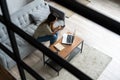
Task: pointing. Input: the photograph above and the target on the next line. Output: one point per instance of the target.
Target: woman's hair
(52, 17)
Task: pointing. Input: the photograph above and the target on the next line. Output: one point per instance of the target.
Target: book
(59, 46)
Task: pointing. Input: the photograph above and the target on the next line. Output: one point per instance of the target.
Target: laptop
(68, 38)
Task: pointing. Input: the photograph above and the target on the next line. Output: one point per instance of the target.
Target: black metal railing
(91, 14)
(12, 29)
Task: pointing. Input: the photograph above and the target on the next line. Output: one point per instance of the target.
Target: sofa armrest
(60, 13)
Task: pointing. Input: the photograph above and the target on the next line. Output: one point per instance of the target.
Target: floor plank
(99, 37)
(5, 75)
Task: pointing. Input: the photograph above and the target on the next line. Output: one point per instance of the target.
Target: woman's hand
(60, 27)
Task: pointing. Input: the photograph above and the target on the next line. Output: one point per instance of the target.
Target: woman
(46, 30)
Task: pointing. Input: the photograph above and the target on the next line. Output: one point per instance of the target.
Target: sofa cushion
(21, 17)
(8, 62)
(3, 35)
(30, 29)
(38, 16)
(41, 15)
(19, 40)
(32, 26)
(24, 49)
(3, 61)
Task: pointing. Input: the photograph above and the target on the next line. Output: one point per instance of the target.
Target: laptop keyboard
(69, 38)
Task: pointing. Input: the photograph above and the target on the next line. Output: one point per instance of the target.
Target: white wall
(14, 5)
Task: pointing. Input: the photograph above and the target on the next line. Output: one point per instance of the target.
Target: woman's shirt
(42, 30)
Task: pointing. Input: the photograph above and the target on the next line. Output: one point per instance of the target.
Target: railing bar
(29, 70)
(6, 50)
(91, 14)
(76, 72)
(26, 67)
(12, 38)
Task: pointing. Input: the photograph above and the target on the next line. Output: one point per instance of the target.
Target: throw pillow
(39, 16)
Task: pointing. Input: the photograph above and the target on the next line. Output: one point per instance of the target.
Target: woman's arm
(57, 29)
(54, 30)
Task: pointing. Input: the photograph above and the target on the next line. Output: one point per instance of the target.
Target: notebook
(68, 38)
(59, 46)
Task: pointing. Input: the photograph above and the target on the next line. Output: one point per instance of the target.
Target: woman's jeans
(51, 38)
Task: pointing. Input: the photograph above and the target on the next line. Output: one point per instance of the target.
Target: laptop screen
(67, 38)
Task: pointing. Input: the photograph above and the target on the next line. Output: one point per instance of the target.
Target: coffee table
(65, 53)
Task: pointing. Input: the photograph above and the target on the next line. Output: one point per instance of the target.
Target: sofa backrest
(21, 18)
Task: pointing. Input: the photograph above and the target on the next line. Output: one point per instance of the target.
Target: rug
(91, 61)
(67, 12)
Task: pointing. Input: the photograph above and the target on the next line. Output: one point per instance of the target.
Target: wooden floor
(5, 75)
(101, 38)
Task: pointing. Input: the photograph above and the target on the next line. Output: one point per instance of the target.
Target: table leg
(43, 59)
(82, 46)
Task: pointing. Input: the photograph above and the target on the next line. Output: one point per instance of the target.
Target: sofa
(27, 18)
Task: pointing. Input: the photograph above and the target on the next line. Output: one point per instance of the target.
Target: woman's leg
(43, 39)
(51, 38)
